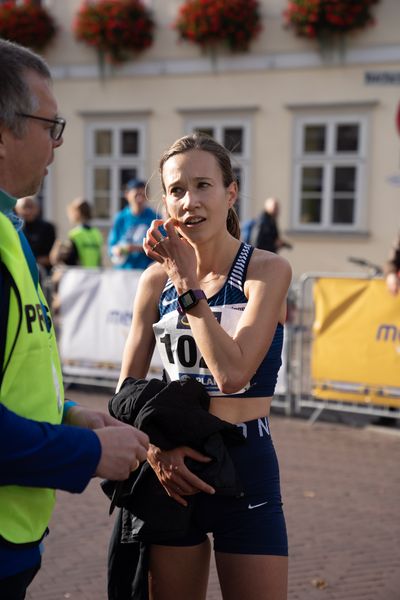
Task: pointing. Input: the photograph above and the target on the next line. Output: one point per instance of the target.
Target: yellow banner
(356, 347)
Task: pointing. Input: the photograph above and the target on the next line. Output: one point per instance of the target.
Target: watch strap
(189, 299)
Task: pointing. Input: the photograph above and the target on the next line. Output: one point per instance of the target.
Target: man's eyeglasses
(56, 130)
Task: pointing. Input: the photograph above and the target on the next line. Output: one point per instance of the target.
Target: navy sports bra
(178, 349)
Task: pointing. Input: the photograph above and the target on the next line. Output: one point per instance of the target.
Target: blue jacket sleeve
(39, 454)
(115, 233)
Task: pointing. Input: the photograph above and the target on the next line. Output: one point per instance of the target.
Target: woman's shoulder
(154, 276)
(151, 284)
(266, 265)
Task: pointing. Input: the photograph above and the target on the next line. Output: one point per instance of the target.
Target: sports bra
(178, 349)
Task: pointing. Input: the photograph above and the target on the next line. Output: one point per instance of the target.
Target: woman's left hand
(177, 480)
(174, 253)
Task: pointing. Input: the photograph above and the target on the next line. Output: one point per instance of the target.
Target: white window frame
(242, 160)
(328, 160)
(115, 162)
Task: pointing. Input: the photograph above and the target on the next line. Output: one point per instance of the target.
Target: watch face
(187, 299)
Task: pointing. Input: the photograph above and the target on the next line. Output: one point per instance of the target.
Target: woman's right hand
(173, 474)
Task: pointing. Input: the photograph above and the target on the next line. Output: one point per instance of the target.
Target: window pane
(343, 211)
(102, 179)
(344, 179)
(101, 207)
(347, 137)
(103, 142)
(130, 141)
(206, 130)
(311, 180)
(314, 138)
(311, 195)
(233, 139)
(102, 193)
(310, 210)
(344, 186)
(124, 176)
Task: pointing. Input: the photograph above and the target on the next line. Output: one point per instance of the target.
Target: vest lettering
(40, 317)
(30, 314)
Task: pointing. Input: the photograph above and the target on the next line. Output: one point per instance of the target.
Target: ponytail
(232, 223)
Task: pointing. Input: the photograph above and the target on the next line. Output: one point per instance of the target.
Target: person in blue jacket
(125, 240)
(45, 443)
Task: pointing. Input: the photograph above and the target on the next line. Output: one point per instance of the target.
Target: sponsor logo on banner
(388, 333)
(119, 317)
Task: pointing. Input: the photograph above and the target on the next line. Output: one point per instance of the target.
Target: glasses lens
(57, 130)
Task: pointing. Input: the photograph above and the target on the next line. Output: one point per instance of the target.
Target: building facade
(316, 130)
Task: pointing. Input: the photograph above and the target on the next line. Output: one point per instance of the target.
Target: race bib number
(178, 349)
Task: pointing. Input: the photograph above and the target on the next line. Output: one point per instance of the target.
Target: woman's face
(195, 195)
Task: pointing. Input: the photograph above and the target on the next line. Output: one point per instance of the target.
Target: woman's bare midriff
(239, 410)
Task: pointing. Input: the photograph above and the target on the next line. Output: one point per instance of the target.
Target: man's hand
(123, 448)
(91, 419)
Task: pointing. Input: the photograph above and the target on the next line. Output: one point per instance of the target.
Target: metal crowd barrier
(354, 397)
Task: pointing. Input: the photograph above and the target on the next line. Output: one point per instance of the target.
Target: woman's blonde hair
(200, 141)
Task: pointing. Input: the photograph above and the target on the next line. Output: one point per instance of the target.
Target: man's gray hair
(15, 95)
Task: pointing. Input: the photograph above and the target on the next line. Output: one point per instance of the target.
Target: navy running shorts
(253, 523)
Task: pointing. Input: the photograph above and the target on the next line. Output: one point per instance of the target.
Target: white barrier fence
(96, 313)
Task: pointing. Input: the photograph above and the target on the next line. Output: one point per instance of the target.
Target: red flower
(311, 18)
(209, 22)
(27, 24)
(116, 28)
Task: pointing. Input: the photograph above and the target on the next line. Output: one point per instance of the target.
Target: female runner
(216, 309)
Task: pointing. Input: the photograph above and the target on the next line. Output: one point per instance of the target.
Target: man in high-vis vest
(45, 443)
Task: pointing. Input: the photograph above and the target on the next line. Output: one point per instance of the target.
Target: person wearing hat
(129, 228)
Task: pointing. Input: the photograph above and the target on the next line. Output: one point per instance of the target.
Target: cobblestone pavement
(341, 489)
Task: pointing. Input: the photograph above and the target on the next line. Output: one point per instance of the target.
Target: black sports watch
(189, 299)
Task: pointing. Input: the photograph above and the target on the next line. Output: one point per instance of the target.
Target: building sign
(382, 78)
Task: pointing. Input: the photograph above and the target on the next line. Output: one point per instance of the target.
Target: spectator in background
(125, 241)
(84, 245)
(263, 232)
(392, 268)
(41, 234)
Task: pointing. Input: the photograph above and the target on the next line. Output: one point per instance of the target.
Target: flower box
(116, 29)
(27, 24)
(210, 23)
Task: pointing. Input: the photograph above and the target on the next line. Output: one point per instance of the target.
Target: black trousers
(14, 587)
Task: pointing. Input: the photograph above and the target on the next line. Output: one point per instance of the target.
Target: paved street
(341, 489)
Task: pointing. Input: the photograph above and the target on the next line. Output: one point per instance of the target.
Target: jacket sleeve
(39, 454)
(126, 404)
(115, 234)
